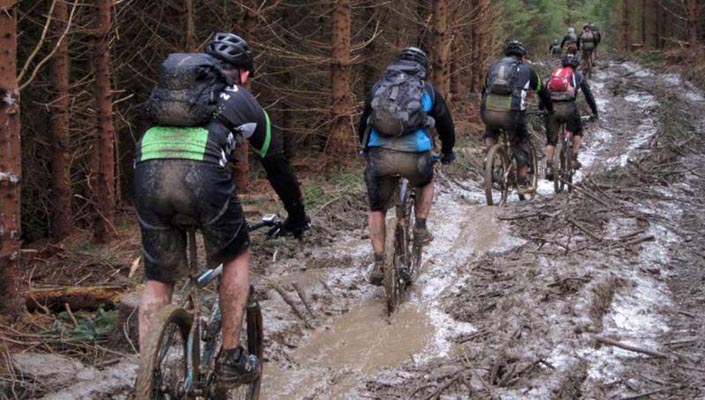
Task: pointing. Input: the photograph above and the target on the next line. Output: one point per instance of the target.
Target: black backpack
(396, 102)
(502, 76)
(188, 90)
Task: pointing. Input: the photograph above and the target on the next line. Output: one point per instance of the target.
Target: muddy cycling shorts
(563, 112)
(384, 166)
(514, 122)
(206, 193)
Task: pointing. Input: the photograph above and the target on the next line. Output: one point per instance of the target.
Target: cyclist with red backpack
(504, 106)
(395, 130)
(563, 86)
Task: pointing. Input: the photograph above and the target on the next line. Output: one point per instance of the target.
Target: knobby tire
(496, 164)
(169, 321)
(392, 259)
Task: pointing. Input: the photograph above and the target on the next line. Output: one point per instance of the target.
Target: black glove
(295, 226)
(447, 158)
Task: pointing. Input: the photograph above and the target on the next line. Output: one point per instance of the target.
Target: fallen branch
(584, 230)
(302, 296)
(77, 297)
(611, 342)
(291, 303)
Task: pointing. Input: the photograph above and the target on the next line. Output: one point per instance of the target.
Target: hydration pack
(562, 84)
(588, 40)
(188, 90)
(571, 43)
(397, 107)
(502, 77)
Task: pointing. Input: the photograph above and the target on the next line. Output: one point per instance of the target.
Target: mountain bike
(501, 171)
(563, 159)
(178, 361)
(402, 254)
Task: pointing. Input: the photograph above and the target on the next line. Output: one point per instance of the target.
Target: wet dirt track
(511, 302)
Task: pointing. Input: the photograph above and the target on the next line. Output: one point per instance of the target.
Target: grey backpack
(396, 102)
(188, 90)
(502, 76)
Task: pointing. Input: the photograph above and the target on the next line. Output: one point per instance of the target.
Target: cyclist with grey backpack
(504, 106)
(395, 131)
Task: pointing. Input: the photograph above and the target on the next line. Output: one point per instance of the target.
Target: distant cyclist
(570, 42)
(554, 49)
(504, 105)
(564, 84)
(395, 128)
(183, 170)
(598, 39)
(587, 42)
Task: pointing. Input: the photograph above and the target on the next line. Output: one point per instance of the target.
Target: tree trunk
(692, 9)
(340, 139)
(60, 158)
(625, 25)
(242, 152)
(441, 46)
(643, 23)
(104, 143)
(190, 26)
(10, 165)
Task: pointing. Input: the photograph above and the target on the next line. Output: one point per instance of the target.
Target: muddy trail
(528, 301)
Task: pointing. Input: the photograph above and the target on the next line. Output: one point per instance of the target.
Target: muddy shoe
(377, 275)
(235, 367)
(524, 185)
(549, 171)
(576, 164)
(422, 236)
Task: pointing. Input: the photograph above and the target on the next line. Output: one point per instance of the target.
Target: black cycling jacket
(584, 86)
(526, 79)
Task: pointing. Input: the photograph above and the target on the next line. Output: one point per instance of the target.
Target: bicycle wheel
(393, 262)
(496, 172)
(558, 163)
(164, 369)
(567, 166)
(252, 339)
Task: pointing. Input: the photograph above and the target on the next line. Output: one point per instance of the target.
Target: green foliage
(89, 327)
(537, 22)
(318, 192)
(653, 58)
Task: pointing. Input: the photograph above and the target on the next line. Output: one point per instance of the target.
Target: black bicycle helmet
(231, 49)
(414, 54)
(515, 48)
(570, 59)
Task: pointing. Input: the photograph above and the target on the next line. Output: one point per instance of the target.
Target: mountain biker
(504, 105)
(409, 153)
(564, 84)
(587, 42)
(598, 38)
(570, 42)
(554, 49)
(184, 171)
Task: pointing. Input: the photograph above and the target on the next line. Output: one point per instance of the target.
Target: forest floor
(526, 301)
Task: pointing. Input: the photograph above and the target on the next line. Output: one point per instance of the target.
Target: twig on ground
(302, 296)
(291, 303)
(612, 342)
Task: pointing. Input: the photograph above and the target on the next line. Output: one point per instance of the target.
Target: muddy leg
(550, 149)
(377, 228)
(577, 140)
(155, 296)
(234, 289)
(424, 200)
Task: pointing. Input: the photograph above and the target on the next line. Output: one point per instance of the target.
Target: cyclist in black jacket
(408, 155)
(506, 109)
(184, 171)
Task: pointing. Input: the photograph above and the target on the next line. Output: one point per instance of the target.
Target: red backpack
(562, 85)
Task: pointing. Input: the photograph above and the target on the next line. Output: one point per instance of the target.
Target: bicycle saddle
(185, 222)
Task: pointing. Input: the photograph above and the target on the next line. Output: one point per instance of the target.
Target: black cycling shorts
(383, 168)
(514, 122)
(563, 112)
(206, 193)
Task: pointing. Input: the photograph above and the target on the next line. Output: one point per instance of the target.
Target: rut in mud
(511, 302)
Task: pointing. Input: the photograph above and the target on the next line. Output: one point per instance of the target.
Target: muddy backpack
(588, 40)
(396, 102)
(571, 43)
(188, 90)
(562, 84)
(502, 77)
